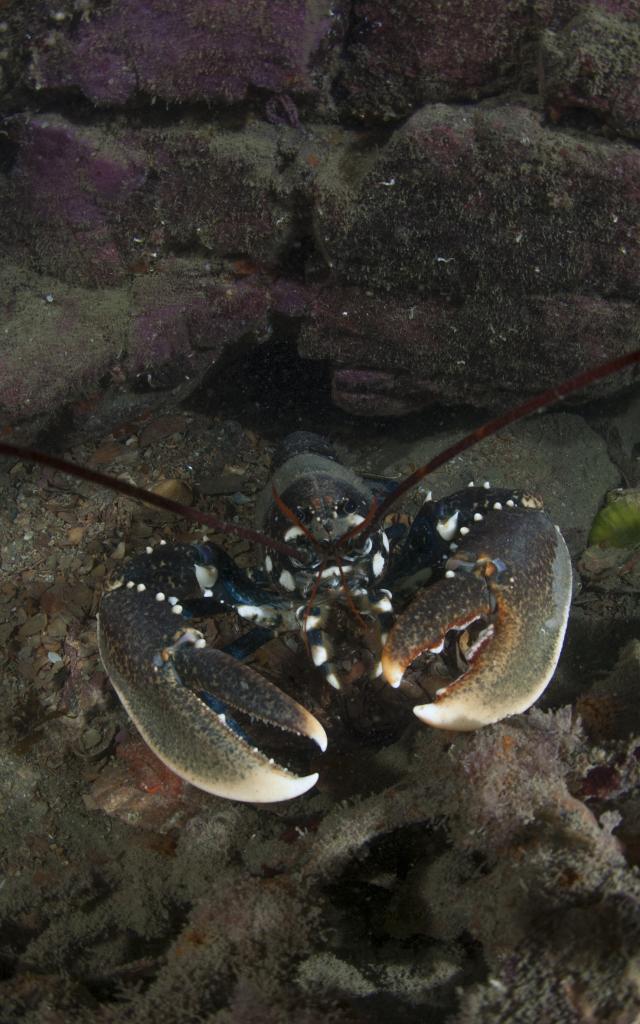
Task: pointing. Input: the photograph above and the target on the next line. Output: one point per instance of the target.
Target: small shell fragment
(175, 490)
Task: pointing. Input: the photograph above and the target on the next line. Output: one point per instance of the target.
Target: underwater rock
(71, 206)
(429, 52)
(611, 707)
(432, 52)
(188, 314)
(224, 191)
(180, 320)
(376, 393)
(95, 205)
(193, 52)
(47, 359)
(470, 232)
(137, 789)
(592, 64)
(411, 218)
(391, 354)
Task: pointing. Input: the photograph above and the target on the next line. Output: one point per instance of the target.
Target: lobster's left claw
(182, 694)
(517, 584)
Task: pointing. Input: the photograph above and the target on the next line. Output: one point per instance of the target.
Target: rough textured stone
(71, 338)
(463, 201)
(96, 205)
(197, 50)
(477, 247)
(185, 311)
(403, 54)
(70, 205)
(594, 64)
(480, 250)
(393, 355)
(56, 340)
(221, 190)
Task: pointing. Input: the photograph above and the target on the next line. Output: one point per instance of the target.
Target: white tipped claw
(447, 715)
(392, 670)
(316, 733)
(266, 785)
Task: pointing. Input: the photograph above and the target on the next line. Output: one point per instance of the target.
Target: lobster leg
(248, 644)
(376, 608)
(517, 583)
(315, 622)
(163, 673)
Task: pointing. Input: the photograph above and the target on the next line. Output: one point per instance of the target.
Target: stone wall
(441, 199)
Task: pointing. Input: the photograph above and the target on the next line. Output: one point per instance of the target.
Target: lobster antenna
(535, 404)
(141, 494)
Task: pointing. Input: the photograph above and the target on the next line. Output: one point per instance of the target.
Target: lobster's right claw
(168, 680)
(514, 581)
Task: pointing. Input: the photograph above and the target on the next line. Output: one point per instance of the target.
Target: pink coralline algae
(74, 187)
(198, 51)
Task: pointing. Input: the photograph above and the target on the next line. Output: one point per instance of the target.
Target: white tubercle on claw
(447, 527)
(206, 575)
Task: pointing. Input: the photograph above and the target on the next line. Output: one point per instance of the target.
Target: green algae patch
(618, 523)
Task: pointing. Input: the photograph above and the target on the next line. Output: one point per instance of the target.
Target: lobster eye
(347, 506)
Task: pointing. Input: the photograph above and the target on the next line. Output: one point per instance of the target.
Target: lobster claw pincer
(181, 694)
(511, 581)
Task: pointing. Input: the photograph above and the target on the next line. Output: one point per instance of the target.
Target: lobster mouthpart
(512, 576)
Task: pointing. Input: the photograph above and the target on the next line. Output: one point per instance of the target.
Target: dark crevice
(8, 148)
(267, 386)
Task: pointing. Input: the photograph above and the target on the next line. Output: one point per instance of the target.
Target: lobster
(482, 576)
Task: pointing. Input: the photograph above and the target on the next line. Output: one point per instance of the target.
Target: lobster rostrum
(482, 576)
